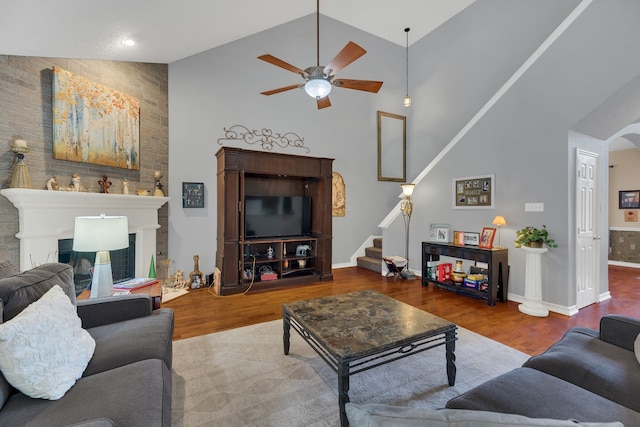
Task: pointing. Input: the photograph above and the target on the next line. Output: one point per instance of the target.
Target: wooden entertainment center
(245, 261)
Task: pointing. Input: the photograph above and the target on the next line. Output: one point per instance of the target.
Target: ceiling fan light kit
(317, 88)
(319, 79)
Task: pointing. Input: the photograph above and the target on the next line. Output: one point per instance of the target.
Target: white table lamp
(101, 234)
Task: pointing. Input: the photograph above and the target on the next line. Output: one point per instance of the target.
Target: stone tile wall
(625, 246)
(26, 113)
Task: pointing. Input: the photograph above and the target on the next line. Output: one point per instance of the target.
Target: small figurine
(52, 184)
(179, 282)
(270, 253)
(159, 192)
(104, 184)
(125, 186)
(75, 182)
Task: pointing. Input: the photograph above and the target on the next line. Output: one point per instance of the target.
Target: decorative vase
(535, 244)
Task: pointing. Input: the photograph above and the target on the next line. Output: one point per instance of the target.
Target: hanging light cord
(406, 30)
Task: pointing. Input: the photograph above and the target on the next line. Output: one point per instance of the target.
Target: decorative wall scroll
(474, 192)
(265, 137)
(338, 194)
(94, 124)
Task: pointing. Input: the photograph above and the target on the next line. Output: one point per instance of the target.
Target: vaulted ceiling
(169, 30)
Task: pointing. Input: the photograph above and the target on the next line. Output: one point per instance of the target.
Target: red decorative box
(268, 276)
(444, 272)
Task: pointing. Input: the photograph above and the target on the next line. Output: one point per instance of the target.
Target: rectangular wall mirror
(392, 147)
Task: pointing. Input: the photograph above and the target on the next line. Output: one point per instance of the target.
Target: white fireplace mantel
(48, 216)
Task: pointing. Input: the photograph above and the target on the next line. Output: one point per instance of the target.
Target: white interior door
(587, 238)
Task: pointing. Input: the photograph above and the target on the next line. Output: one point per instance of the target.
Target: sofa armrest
(619, 330)
(103, 311)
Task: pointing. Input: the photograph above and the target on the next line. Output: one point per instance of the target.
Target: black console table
(496, 259)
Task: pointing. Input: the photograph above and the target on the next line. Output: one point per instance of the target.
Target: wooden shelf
(497, 261)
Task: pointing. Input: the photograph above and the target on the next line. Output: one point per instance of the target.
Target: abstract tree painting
(93, 123)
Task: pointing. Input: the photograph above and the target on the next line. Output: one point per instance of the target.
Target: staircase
(373, 257)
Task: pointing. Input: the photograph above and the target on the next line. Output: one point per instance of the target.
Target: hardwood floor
(202, 312)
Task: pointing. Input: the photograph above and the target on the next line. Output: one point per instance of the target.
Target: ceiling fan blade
(346, 56)
(280, 63)
(323, 102)
(365, 85)
(282, 89)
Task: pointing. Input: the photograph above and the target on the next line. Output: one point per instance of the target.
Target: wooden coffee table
(154, 291)
(361, 330)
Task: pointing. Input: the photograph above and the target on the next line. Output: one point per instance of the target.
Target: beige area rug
(241, 377)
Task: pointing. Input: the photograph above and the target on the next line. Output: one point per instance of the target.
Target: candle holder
(20, 178)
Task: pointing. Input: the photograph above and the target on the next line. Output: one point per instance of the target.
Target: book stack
(133, 284)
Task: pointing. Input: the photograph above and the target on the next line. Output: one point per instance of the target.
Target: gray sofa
(588, 375)
(127, 381)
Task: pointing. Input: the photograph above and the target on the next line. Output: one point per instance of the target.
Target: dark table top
(364, 322)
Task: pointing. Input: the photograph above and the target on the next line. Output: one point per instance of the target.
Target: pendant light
(407, 99)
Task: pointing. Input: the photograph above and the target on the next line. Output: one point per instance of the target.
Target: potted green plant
(534, 238)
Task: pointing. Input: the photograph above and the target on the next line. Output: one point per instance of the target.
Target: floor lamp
(499, 221)
(101, 234)
(406, 207)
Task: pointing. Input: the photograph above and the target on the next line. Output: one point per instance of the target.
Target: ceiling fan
(320, 79)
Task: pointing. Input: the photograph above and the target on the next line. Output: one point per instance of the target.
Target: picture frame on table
(196, 282)
(458, 238)
(629, 199)
(471, 238)
(486, 238)
(439, 233)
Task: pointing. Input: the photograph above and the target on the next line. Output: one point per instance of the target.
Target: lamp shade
(317, 88)
(499, 220)
(407, 189)
(100, 233)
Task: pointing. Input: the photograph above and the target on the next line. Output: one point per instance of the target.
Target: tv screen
(277, 216)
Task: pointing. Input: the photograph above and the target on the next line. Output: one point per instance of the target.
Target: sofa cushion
(44, 350)
(377, 415)
(535, 394)
(134, 395)
(121, 343)
(20, 290)
(593, 364)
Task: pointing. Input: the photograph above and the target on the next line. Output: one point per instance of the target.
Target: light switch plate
(534, 207)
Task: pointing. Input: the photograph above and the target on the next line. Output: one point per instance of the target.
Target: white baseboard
(560, 309)
(624, 264)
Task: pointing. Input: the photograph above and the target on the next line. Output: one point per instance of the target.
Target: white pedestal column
(533, 283)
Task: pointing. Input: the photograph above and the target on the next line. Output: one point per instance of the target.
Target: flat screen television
(277, 216)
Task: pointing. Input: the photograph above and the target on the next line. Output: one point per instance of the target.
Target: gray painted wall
(221, 87)
(523, 139)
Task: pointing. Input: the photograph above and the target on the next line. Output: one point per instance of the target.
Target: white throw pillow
(636, 347)
(44, 350)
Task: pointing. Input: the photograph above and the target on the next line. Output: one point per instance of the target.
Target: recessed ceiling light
(128, 42)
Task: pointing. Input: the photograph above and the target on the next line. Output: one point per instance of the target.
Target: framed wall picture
(472, 239)
(474, 192)
(486, 238)
(629, 199)
(193, 195)
(439, 233)
(93, 123)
